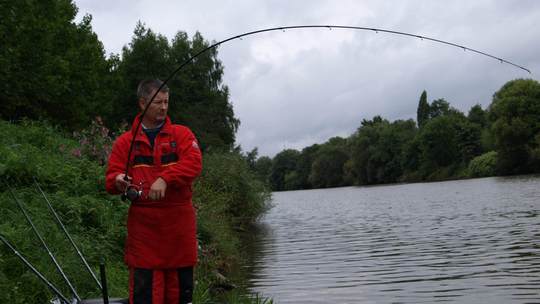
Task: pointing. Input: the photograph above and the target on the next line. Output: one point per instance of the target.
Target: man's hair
(147, 88)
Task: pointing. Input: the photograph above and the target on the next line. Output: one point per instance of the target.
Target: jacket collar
(165, 129)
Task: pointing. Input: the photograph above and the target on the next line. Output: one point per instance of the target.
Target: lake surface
(469, 241)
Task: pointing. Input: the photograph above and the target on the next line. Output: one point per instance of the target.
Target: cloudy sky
(296, 88)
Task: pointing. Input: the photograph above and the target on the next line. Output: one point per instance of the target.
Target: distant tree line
(443, 143)
(55, 69)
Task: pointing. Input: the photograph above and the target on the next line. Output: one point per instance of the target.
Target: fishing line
(283, 28)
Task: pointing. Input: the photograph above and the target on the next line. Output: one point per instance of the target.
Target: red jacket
(161, 234)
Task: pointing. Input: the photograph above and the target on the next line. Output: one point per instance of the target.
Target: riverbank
(227, 196)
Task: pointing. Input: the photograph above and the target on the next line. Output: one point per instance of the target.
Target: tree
(203, 100)
(305, 163)
(515, 113)
(477, 115)
(284, 165)
(377, 150)
(52, 68)
(263, 168)
(251, 157)
(439, 107)
(198, 98)
(423, 111)
(411, 157)
(327, 166)
(439, 143)
(469, 140)
(145, 57)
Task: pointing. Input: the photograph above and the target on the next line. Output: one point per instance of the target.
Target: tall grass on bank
(71, 172)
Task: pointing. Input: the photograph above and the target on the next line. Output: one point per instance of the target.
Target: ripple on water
(459, 241)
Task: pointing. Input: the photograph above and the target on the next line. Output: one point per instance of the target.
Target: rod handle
(104, 289)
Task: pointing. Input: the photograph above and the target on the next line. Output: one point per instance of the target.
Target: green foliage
(227, 196)
(422, 112)
(55, 69)
(74, 186)
(515, 116)
(439, 107)
(446, 145)
(284, 164)
(241, 195)
(478, 116)
(376, 150)
(438, 144)
(469, 140)
(51, 67)
(198, 97)
(96, 141)
(263, 168)
(327, 166)
(483, 165)
(411, 157)
(305, 164)
(236, 297)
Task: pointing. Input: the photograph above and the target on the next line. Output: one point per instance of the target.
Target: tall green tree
(284, 175)
(263, 168)
(305, 162)
(422, 112)
(198, 97)
(145, 57)
(202, 101)
(439, 107)
(327, 165)
(52, 67)
(377, 150)
(469, 140)
(515, 116)
(478, 116)
(448, 141)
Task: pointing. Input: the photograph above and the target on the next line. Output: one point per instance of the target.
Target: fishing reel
(132, 193)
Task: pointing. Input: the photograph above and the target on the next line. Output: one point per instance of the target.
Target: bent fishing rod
(284, 28)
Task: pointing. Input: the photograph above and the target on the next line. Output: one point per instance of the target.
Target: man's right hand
(121, 182)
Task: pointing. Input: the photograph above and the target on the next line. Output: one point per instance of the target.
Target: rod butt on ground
(104, 289)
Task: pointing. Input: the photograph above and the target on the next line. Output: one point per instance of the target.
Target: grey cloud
(298, 88)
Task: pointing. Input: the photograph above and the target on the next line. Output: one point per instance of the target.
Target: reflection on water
(472, 241)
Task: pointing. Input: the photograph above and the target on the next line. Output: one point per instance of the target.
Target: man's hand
(157, 190)
(121, 183)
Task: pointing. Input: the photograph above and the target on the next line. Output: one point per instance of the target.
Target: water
(470, 241)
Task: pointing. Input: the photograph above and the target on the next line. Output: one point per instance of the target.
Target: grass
(228, 198)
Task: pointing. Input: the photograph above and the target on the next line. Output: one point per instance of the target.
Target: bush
(483, 165)
(227, 195)
(75, 187)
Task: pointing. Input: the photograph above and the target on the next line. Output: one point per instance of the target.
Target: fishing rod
(35, 271)
(27, 216)
(283, 28)
(59, 222)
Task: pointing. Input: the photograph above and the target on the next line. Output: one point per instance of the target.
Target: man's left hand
(157, 190)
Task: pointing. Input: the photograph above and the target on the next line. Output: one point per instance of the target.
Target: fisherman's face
(157, 112)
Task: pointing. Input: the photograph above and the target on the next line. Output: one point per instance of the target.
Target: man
(161, 245)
